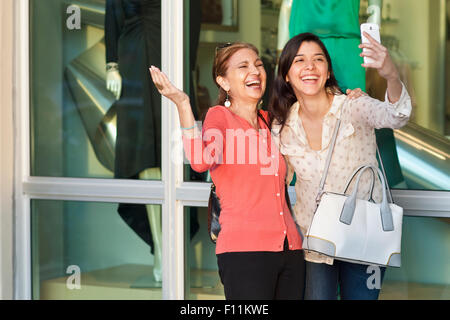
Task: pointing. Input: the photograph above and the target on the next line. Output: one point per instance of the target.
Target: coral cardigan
(249, 174)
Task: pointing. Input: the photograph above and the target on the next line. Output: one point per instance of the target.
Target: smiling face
(245, 78)
(309, 70)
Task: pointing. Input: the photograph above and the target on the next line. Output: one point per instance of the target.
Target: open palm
(166, 88)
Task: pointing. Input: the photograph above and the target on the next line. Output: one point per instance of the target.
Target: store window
(84, 250)
(94, 111)
(420, 51)
(425, 262)
(416, 156)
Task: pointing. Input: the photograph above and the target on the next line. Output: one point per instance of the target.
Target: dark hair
(282, 96)
(220, 65)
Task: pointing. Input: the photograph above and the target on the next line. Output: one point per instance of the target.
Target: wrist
(112, 66)
(183, 103)
(394, 82)
(393, 77)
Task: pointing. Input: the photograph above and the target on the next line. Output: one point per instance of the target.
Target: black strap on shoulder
(264, 120)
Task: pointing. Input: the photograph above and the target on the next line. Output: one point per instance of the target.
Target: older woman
(259, 248)
(306, 102)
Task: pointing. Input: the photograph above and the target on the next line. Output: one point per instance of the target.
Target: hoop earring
(227, 102)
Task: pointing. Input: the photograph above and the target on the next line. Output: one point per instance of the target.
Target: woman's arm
(202, 150)
(384, 65)
(181, 99)
(382, 114)
(394, 112)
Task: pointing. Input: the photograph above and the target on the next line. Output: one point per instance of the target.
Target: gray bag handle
(371, 186)
(328, 161)
(348, 210)
(391, 199)
(329, 155)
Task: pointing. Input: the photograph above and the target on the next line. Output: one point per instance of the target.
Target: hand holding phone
(376, 55)
(374, 31)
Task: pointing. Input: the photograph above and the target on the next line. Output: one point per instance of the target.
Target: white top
(355, 146)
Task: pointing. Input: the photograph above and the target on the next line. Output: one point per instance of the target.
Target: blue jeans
(355, 281)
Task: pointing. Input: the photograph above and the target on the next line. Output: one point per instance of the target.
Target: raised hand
(166, 88)
(381, 58)
(181, 99)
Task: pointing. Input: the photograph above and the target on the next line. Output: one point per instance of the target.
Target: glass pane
(94, 110)
(423, 145)
(202, 276)
(425, 262)
(416, 156)
(85, 250)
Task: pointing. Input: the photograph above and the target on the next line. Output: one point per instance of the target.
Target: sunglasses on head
(223, 45)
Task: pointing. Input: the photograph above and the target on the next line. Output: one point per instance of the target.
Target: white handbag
(356, 230)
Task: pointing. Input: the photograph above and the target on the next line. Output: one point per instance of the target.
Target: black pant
(263, 275)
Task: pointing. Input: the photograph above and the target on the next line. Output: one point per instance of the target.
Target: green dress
(336, 23)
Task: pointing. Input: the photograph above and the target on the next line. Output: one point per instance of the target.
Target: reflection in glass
(422, 147)
(202, 277)
(133, 44)
(95, 111)
(83, 250)
(425, 262)
(424, 158)
(222, 15)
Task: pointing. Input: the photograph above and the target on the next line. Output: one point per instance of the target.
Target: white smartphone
(374, 31)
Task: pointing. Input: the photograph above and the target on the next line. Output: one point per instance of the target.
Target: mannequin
(336, 22)
(133, 43)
